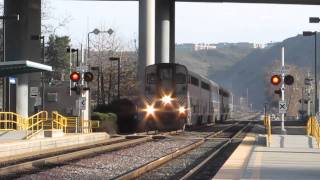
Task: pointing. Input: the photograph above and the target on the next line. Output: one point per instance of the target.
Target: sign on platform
(82, 103)
(282, 107)
(83, 68)
(38, 101)
(34, 92)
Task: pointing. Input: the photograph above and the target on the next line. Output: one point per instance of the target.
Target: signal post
(80, 78)
(282, 103)
(281, 78)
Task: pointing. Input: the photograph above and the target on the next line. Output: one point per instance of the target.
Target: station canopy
(11, 68)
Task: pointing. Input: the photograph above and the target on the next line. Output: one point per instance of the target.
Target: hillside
(239, 69)
(250, 71)
(207, 61)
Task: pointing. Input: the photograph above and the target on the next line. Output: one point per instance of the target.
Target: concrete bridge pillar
(147, 32)
(165, 31)
(146, 38)
(19, 46)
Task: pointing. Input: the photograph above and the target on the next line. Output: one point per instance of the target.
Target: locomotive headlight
(182, 110)
(150, 110)
(166, 99)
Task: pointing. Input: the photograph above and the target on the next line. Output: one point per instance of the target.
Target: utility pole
(283, 130)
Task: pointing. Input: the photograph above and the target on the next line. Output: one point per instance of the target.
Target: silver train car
(175, 97)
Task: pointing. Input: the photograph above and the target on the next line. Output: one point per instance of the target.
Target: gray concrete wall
(66, 104)
(19, 45)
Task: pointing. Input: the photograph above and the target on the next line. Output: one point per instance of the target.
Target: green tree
(57, 56)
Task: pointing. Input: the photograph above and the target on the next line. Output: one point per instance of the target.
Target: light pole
(96, 31)
(117, 59)
(311, 33)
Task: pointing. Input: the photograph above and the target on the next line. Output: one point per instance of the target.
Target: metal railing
(267, 125)
(35, 123)
(59, 121)
(313, 129)
(12, 121)
(73, 124)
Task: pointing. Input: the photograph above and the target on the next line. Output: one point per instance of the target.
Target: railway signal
(76, 89)
(278, 91)
(88, 76)
(275, 80)
(75, 76)
(288, 80)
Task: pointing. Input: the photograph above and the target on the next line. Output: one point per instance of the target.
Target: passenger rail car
(174, 97)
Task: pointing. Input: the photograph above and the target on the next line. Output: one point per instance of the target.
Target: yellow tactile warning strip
(235, 166)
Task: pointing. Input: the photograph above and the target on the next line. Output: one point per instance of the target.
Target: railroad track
(96, 152)
(225, 136)
(14, 167)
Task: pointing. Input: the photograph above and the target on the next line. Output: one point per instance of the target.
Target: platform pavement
(288, 157)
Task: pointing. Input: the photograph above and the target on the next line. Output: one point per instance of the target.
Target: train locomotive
(175, 97)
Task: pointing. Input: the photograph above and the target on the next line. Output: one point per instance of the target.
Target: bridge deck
(288, 157)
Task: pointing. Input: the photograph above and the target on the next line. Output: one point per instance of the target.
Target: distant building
(203, 46)
(259, 46)
(195, 47)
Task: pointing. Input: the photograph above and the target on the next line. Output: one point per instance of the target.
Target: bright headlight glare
(182, 110)
(150, 109)
(166, 99)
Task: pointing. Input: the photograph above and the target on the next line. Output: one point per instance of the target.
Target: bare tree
(104, 46)
(50, 23)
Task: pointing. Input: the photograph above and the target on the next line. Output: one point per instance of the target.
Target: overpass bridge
(156, 37)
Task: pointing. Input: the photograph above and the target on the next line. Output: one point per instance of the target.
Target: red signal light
(275, 80)
(75, 76)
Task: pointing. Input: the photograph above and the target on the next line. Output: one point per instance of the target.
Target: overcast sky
(195, 22)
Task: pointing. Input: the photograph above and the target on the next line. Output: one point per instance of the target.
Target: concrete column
(165, 31)
(22, 95)
(172, 32)
(19, 45)
(147, 31)
(146, 37)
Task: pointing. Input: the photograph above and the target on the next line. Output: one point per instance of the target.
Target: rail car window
(194, 81)
(205, 86)
(166, 74)
(180, 78)
(151, 78)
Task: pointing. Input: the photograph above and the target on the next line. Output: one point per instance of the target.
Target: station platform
(288, 157)
(11, 149)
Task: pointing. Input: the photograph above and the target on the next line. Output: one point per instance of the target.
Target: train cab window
(180, 78)
(194, 81)
(165, 74)
(205, 86)
(151, 78)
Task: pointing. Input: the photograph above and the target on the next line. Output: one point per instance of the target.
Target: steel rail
(213, 154)
(61, 158)
(162, 160)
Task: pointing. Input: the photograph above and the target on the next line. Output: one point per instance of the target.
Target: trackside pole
(283, 130)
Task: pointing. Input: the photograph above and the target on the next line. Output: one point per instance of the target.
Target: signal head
(88, 76)
(275, 80)
(288, 80)
(76, 89)
(75, 76)
(279, 92)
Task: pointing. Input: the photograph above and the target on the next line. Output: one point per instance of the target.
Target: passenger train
(175, 97)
